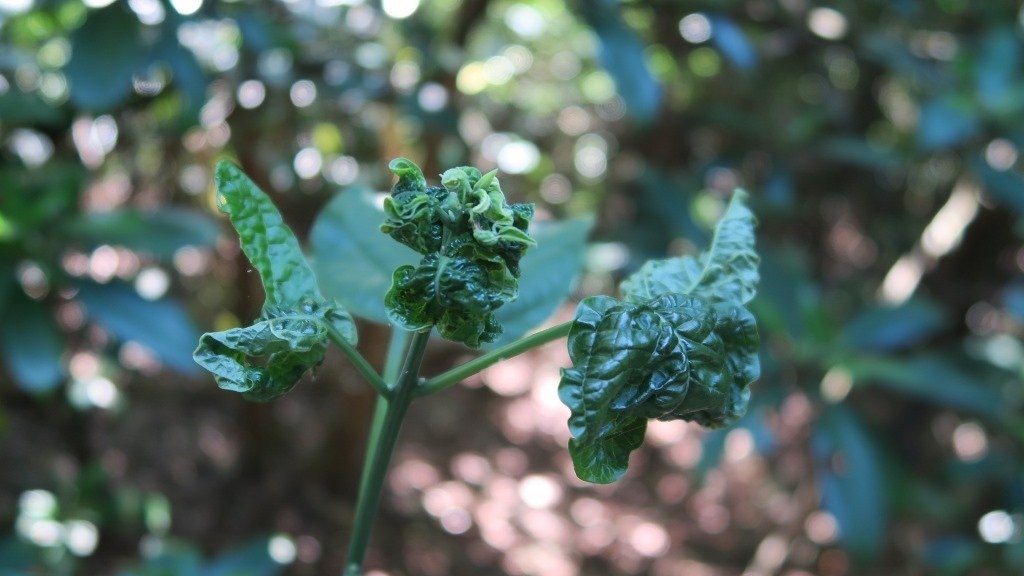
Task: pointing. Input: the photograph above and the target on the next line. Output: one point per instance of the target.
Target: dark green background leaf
(894, 328)
(31, 344)
(160, 233)
(105, 52)
(852, 481)
(548, 273)
(163, 326)
(354, 262)
(352, 258)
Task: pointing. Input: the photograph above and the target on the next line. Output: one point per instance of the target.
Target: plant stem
(392, 364)
(361, 364)
(459, 373)
(381, 447)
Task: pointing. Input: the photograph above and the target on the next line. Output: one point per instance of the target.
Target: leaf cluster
(263, 361)
(471, 241)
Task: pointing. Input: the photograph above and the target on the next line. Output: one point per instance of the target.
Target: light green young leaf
(265, 360)
(267, 241)
(726, 272)
(672, 357)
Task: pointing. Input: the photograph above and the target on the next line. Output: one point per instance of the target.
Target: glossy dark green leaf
(31, 344)
(681, 346)
(997, 69)
(18, 557)
(163, 326)
(472, 241)
(672, 357)
(105, 52)
(452, 293)
(852, 481)
(859, 152)
(177, 559)
(265, 360)
(173, 558)
(19, 108)
(726, 272)
(251, 559)
(160, 233)
(187, 74)
(894, 327)
(548, 273)
(352, 261)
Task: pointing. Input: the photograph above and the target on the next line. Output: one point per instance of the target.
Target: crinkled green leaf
(726, 272)
(354, 267)
(672, 357)
(451, 292)
(267, 241)
(265, 360)
(471, 241)
(680, 346)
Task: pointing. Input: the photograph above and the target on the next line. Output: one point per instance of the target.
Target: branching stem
(387, 423)
(459, 373)
(360, 362)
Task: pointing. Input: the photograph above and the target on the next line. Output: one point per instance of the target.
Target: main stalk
(381, 446)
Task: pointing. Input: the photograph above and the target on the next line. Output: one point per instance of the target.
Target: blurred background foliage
(880, 139)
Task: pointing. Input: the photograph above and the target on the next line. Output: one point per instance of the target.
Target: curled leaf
(265, 360)
(673, 357)
(471, 240)
(680, 346)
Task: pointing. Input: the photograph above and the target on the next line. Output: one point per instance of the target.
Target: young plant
(679, 344)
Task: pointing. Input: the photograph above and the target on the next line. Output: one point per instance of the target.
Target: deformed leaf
(265, 360)
(726, 272)
(471, 241)
(287, 344)
(680, 346)
(672, 357)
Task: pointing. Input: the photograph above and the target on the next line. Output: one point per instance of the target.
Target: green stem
(460, 373)
(382, 446)
(361, 364)
(392, 364)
